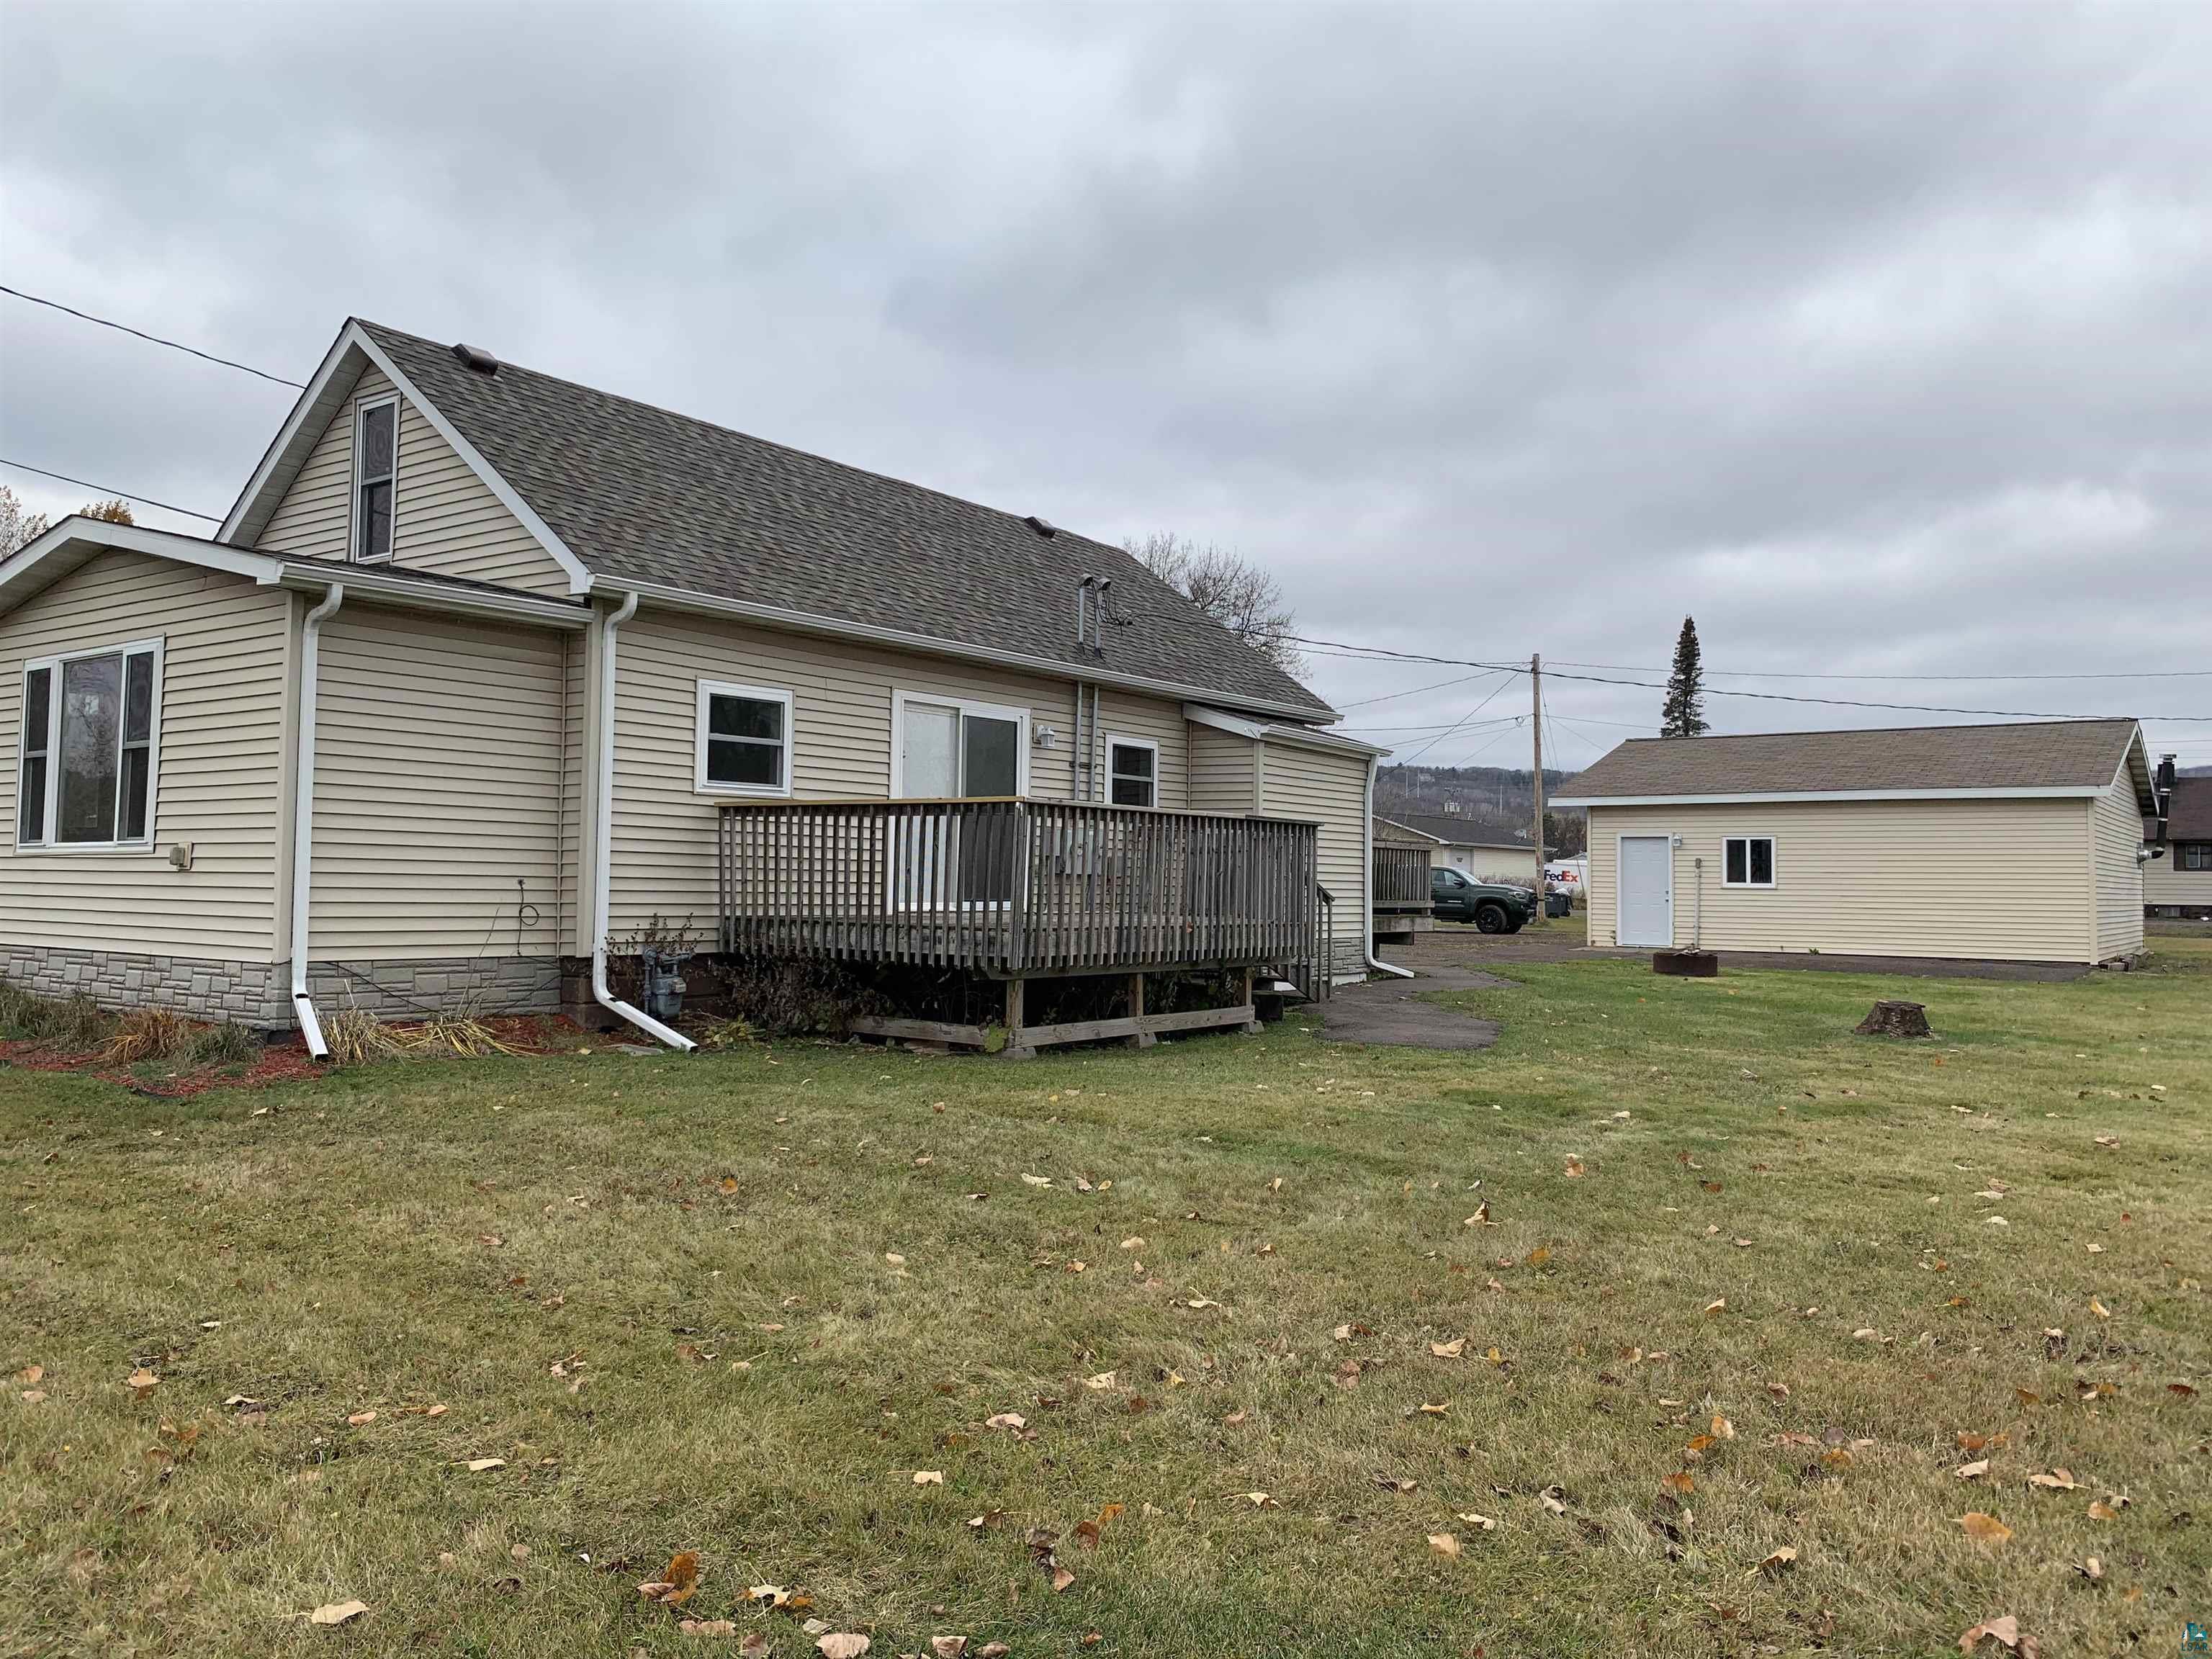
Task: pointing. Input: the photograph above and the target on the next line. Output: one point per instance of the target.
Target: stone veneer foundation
(258, 993)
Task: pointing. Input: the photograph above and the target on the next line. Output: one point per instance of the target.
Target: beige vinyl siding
(664, 857)
(1957, 879)
(2166, 884)
(438, 784)
(1225, 771)
(578, 789)
(217, 776)
(1127, 716)
(444, 516)
(1298, 782)
(2116, 828)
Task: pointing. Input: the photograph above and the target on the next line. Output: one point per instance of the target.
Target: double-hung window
(1132, 773)
(744, 740)
(90, 743)
(1747, 862)
(375, 467)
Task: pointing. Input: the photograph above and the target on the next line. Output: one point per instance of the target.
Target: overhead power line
(103, 490)
(173, 345)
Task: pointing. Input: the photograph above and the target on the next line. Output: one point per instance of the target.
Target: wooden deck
(1019, 888)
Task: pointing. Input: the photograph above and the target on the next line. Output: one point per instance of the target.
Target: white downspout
(303, 818)
(1367, 879)
(603, 848)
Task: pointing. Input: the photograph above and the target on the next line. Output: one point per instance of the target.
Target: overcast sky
(1876, 338)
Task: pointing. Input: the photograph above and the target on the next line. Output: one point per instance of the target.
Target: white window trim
(1113, 743)
(990, 710)
(1773, 861)
(360, 410)
(51, 844)
(758, 694)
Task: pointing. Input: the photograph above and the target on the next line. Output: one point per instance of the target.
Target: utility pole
(1536, 723)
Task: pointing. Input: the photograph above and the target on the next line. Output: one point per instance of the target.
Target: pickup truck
(1492, 909)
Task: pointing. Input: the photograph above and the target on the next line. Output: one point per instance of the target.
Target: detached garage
(2016, 842)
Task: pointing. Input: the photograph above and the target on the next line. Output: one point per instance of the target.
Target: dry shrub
(149, 1034)
(75, 1024)
(456, 1034)
(356, 1038)
(225, 1045)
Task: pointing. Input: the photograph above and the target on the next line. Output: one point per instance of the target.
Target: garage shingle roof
(2028, 757)
(640, 493)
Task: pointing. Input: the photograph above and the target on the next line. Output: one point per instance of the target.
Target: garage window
(1748, 861)
(2193, 855)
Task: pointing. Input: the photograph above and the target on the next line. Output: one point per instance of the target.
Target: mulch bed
(282, 1059)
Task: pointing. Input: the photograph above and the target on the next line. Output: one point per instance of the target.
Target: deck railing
(1400, 879)
(1017, 886)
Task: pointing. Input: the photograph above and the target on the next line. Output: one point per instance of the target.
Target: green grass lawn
(732, 1303)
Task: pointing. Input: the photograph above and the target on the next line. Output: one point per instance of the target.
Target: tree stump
(1898, 1019)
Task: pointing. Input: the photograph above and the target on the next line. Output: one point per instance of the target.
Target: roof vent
(477, 359)
(1041, 526)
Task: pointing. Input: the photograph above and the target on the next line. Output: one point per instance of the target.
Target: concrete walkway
(1390, 1012)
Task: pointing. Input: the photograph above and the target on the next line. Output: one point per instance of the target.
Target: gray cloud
(1873, 337)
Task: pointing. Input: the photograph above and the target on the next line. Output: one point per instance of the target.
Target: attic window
(376, 460)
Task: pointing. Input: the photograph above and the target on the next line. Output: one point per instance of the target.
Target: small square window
(1747, 862)
(1132, 774)
(744, 740)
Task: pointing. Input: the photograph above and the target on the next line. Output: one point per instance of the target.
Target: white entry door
(1647, 892)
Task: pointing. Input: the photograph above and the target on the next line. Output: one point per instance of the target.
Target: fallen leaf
(1444, 1545)
(841, 1644)
(1681, 1483)
(2092, 1569)
(2058, 1481)
(1482, 1521)
(1450, 1349)
(360, 1417)
(1985, 1528)
(141, 1381)
(2181, 1390)
(2005, 1632)
(929, 1477)
(1716, 1304)
(1776, 1561)
(338, 1612)
(1574, 1165)
(2101, 1510)
(1038, 1181)
(479, 1465)
(31, 1374)
(1013, 1420)
(1260, 1500)
(1973, 1471)
(948, 1647)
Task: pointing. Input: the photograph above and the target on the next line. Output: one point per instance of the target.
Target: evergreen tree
(1683, 714)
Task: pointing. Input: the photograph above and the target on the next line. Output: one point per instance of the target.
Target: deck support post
(1142, 1039)
(1017, 1044)
(1251, 1027)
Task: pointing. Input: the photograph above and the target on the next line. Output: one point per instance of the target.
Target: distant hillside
(1495, 801)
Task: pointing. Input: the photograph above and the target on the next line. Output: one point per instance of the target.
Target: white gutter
(602, 850)
(1367, 879)
(303, 818)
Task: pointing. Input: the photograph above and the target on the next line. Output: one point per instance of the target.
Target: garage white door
(1647, 892)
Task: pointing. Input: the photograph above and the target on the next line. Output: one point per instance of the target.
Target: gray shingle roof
(640, 493)
(1918, 759)
(2188, 811)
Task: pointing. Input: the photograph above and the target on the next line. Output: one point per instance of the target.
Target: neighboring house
(1456, 844)
(2180, 883)
(486, 669)
(1851, 842)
